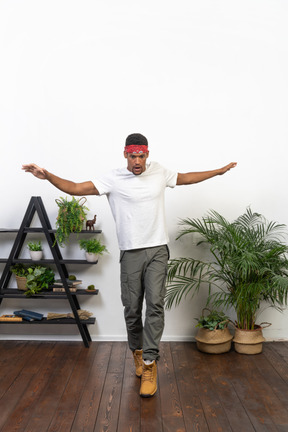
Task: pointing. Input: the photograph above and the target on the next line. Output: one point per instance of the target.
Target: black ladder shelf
(36, 205)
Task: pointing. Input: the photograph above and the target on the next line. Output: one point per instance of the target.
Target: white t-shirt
(137, 204)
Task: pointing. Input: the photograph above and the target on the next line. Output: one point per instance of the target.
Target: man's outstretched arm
(67, 186)
(197, 177)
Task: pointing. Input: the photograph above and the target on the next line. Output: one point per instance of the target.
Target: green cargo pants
(143, 275)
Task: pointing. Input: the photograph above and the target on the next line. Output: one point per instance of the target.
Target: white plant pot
(36, 255)
(91, 257)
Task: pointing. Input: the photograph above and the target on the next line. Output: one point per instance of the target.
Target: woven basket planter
(214, 341)
(249, 341)
(21, 283)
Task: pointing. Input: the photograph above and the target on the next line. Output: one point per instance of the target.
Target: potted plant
(248, 268)
(38, 278)
(213, 335)
(32, 279)
(35, 250)
(71, 216)
(93, 248)
(21, 272)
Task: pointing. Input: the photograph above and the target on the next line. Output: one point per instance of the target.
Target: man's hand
(197, 177)
(67, 186)
(34, 169)
(227, 168)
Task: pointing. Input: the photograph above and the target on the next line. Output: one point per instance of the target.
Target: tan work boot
(149, 380)
(137, 354)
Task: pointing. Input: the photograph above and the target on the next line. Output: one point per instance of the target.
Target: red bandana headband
(136, 149)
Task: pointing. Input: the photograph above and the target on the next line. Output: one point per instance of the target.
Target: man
(136, 197)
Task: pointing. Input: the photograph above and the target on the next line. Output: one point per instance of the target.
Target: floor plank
(240, 369)
(194, 417)
(130, 405)
(86, 414)
(65, 387)
(279, 362)
(214, 412)
(14, 365)
(172, 415)
(107, 418)
(71, 397)
(49, 400)
(24, 394)
(235, 412)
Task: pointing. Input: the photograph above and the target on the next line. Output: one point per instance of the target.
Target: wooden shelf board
(15, 293)
(40, 230)
(49, 261)
(52, 321)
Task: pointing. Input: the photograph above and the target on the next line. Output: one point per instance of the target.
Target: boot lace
(148, 373)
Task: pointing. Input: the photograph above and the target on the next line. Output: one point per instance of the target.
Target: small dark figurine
(90, 223)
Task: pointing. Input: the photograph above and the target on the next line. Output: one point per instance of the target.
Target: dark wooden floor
(63, 386)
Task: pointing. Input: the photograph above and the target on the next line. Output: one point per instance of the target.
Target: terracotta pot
(21, 283)
(249, 341)
(214, 341)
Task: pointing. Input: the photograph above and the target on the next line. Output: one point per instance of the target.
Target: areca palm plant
(248, 265)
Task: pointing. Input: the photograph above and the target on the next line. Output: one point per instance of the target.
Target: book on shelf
(59, 282)
(62, 289)
(10, 318)
(29, 315)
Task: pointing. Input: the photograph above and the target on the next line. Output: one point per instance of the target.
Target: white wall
(205, 81)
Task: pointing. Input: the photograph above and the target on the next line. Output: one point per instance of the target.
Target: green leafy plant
(39, 278)
(34, 246)
(214, 320)
(248, 265)
(19, 270)
(91, 288)
(71, 216)
(92, 246)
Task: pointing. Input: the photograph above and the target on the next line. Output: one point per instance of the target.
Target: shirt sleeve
(104, 183)
(171, 178)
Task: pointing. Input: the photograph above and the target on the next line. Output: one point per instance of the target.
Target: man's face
(136, 163)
